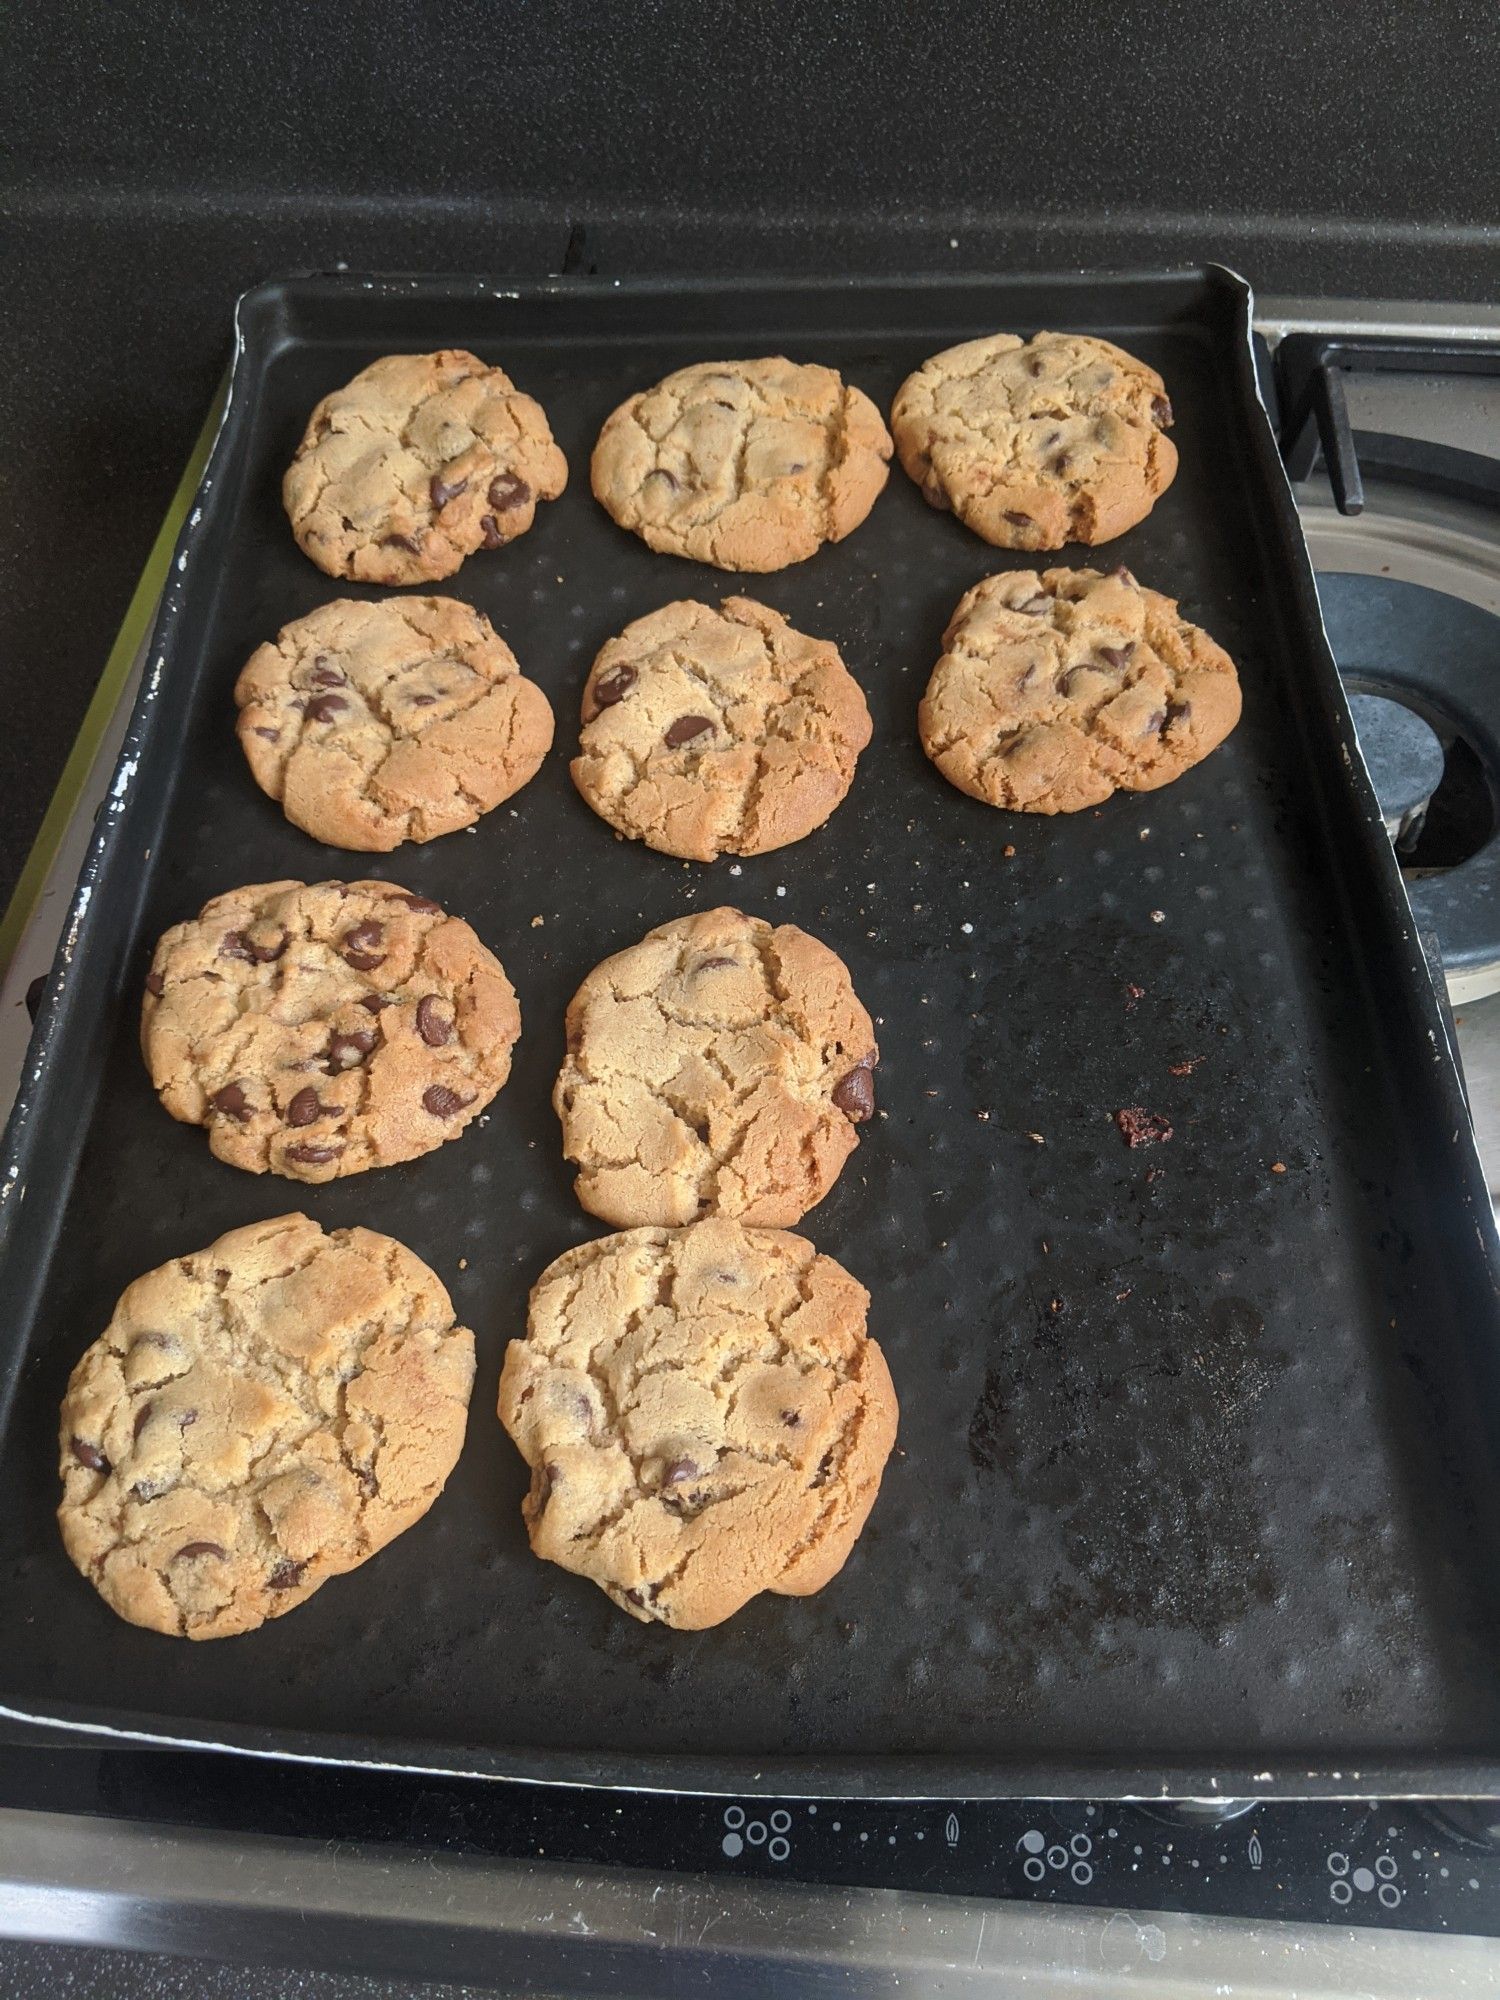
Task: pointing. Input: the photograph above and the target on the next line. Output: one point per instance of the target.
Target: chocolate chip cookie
(1056, 690)
(415, 464)
(1034, 443)
(718, 1067)
(318, 1030)
(378, 723)
(258, 1417)
(749, 465)
(704, 1416)
(709, 732)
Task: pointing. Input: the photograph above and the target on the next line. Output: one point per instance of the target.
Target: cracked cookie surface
(749, 465)
(1056, 690)
(258, 1417)
(718, 1067)
(415, 464)
(322, 1029)
(704, 1416)
(372, 724)
(718, 731)
(1035, 443)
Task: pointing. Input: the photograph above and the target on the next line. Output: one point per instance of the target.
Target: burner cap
(1402, 754)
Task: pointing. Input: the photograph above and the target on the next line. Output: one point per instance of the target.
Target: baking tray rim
(809, 1774)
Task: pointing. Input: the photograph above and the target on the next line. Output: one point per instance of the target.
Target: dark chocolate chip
(546, 1477)
(825, 1466)
(424, 701)
(855, 1094)
(507, 491)
(313, 1156)
(791, 1418)
(155, 984)
(934, 494)
(348, 1051)
(424, 905)
(359, 946)
(710, 964)
(187, 1418)
(679, 1471)
(1034, 607)
(89, 1455)
(442, 1102)
(1019, 520)
(1161, 411)
(232, 1102)
(286, 1575)
(686, 729)
(1062, 461)
(239, 944)
(433, 1024)
(1124, 574)
(375, 1001)
(1117, 657)
(401, 542)
(325, 674)
(612, 687)
(305, 1108)
(662, 473)
(442, 490)
(271, 735)
(1035, 364)
(190, 1549)
(490, 535)
(1178, 711)
(324, 707)
(142, 1418)
(1155, 723)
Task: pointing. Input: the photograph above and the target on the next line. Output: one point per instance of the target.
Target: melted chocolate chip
(1155, 723)
(324, 707)
(271, 735)
(1034, 607)
(1161, 411)
(791, 1418)
(305, 1108)
(1178, 711)
(441, 491)
(89, 1455)
(286, 1575)
(191, 1549)
(507, 492)
(662, 473)
(433, 1023)
(424, 701)
(239, 944)
(375, 1001)
(1019, 520)
(712, 964)
(679, 1471)
(406, 542)
(612, 687)
(348, 1051)
(686, 729)
(935, 496)
(1124, 574)
(825, 1466)
(325, 674)
(1117, 657)
(545, 1477)
(232, 1102)
(442, 1102)
(313, 1156)
(142, 1418)
(490, 535)
(855, 1094)
(359, 945)
(155, 984)
(424, 905)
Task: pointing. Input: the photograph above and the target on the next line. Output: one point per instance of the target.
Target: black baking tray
(1196, 1485)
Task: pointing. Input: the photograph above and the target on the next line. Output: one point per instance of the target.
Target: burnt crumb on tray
(1140, 1127)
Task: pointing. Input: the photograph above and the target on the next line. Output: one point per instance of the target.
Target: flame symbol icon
(950, 1830)
(1256, 1853)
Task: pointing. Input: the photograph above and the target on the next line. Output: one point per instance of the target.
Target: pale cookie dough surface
(258, 1417)
(704, 1416)
(1056, 690)
(709, 732)
(372, 724)
(320, 1029)
(749, 465)
(718, 1067)
(1035, 443)
(415, 464)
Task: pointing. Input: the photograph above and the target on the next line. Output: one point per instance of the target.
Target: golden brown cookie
(258, 1417)
(709, 732)
(377, 723)
(1034, 443)
(1056, 690)
(321, 1029)
(718, 1067)
(415, 464)
(749, 465)
(704, 1416)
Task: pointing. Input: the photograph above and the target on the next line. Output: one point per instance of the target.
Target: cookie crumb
(1140, 1127)
(1158, 916)
(537, 922)
(1008, 851)
(1184, 1068)
(735, 868)
(967, 929)
(984, 1115)
(463, 1263)
(781, 888)
(1279, 1167)
(1036, 1138)
(1133, 995)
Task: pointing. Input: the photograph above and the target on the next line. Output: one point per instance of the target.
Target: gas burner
(1474, 1823)
(1198, 1812)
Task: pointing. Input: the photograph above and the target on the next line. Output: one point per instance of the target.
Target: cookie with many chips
(704, 1415)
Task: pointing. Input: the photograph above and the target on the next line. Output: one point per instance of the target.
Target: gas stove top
(124, 1845)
